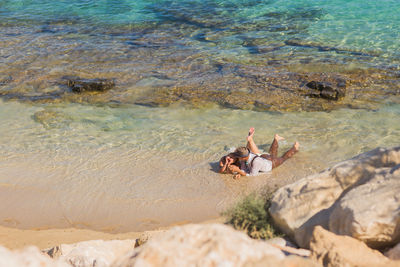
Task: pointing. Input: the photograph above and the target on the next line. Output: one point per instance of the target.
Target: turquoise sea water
(365, 30)
(120, 167)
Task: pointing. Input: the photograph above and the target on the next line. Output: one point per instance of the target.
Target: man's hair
(242, 152)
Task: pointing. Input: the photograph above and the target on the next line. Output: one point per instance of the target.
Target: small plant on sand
(251, 215)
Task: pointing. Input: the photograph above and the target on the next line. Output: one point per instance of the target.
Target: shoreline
(14, 238)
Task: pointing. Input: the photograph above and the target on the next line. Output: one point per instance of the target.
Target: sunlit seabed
(136, 168)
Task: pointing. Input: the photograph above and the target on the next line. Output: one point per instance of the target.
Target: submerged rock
(326, 90)
(322, 48)
(5, 79)
(200, 82)
(51, 118)
(299, 207)
(80, 85)
(250, 89)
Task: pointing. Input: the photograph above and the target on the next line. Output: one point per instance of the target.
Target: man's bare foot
(251, 133)
(278, 138)
(296, 146)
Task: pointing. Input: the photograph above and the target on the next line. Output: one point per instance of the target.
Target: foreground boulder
(30, 256)
(80, 85)
(97, 253)
(394, 253)
(297, 208)
(371, 212)
(201, 245)
(290, 261)
(337, 251)
(189, 245)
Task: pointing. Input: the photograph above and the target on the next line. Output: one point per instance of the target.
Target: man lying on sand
(248, 160)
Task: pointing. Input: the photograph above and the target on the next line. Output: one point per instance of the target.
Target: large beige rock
(98, 253)
(290, 261)
(297, 208)
(394, 253)
(29, 257)
(371, 212)
(332, 250)
(200, 245)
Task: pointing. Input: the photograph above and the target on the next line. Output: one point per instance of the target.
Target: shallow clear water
(119, 166)
(137, 168)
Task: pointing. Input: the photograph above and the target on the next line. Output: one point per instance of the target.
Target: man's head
(242, 153)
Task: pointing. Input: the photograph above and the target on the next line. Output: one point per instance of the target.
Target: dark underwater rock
(80, 85)
(324, 48)
(326, 90)
(5, 80)
(199, 82)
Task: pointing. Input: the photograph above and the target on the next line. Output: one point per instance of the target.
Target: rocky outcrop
(97, 253)
(201, 245)
(394, 253)
(297, 208)
(336, 251)
(30, 256)
(227, 84)
(371, 212)
(188, 245)
(290, 261)
(80, 85)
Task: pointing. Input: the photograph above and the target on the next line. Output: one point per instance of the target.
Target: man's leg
(250, 143)
(273, 150)
(278, 161)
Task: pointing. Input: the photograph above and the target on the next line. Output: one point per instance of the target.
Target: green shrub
(251, 215)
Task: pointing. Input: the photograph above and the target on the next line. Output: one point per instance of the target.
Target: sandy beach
(13, 238)
(16, 238)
